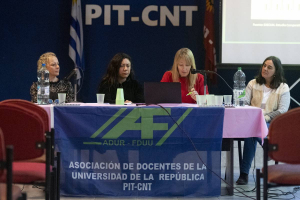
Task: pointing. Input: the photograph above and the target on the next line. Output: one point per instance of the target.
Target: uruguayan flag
(76, 33)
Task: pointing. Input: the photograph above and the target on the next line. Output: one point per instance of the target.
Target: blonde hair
(44, 59)
(186, 54)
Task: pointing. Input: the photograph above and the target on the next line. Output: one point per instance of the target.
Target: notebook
(162, 92)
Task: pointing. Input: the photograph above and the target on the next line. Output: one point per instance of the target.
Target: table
(241, 122)
(238, 122)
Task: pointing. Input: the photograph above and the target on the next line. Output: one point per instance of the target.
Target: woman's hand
(127, 101)
(267, 118)
(193, 94)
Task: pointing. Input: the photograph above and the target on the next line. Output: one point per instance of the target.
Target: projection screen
(255, 29)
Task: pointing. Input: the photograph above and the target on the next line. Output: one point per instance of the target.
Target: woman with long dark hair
(120, 74)
(269, 92)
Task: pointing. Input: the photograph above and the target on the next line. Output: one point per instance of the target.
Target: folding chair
(282, 146)
(24, 129)
(7, 190)
(49, 131)
(43, 114)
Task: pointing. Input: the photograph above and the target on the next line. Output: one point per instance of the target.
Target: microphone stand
(203, 72)
(205, 82)
(67, 78)
(75, 86)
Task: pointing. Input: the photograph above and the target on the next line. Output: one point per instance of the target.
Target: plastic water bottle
(239, 87)
(43, 85)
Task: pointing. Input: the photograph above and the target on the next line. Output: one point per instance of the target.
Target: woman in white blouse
(269, 92)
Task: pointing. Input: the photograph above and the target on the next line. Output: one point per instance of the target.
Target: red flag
(209, 40)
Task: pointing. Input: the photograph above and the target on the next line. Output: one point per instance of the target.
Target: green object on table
(243, 94)
(120, 97)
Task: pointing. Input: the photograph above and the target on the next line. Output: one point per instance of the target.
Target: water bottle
(239, 87)
(43, 85)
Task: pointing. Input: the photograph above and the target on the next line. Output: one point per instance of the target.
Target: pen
(189, 93)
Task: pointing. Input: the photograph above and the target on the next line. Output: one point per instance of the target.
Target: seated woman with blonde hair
(56, 85)
(183, 63)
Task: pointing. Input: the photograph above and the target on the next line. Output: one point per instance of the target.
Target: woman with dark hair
(120, 74)
(269, 92)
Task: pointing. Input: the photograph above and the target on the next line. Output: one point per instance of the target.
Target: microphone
(72, 73)
(195, 71)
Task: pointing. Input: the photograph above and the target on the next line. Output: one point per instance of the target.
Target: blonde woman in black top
(56, 85)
